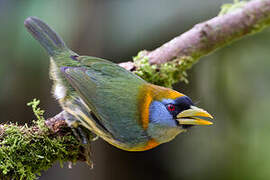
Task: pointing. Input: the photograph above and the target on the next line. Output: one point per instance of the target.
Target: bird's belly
(143, 146)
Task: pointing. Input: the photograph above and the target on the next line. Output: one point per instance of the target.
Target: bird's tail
(46, 36)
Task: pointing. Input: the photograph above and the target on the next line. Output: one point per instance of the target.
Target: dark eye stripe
(184, 100)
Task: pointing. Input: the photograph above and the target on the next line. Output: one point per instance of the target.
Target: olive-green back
(111, 92)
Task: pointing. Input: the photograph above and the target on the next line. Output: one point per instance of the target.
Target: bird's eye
(170, 107)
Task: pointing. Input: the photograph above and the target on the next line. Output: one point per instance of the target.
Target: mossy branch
(235, 21)
(25, 151)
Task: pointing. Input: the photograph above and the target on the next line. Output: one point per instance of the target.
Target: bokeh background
(233, 84)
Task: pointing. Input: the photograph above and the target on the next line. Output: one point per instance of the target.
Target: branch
(235, 21)
(26, 151)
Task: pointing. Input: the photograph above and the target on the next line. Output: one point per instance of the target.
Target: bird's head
(170, 113)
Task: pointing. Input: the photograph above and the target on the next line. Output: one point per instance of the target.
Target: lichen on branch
(162, 74)
(230, 7)
(236, 20)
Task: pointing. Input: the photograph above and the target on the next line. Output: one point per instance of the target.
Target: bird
(112, 102)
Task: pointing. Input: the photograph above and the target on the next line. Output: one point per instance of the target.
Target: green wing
(111, 92)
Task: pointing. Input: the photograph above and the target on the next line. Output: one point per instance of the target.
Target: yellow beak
(193, 116)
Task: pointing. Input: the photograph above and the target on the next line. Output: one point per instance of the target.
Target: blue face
(164, 112)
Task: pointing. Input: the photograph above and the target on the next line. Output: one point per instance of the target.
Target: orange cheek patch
(147, 94)
(145, 111)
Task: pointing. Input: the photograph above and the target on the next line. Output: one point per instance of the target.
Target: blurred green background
(233, 84)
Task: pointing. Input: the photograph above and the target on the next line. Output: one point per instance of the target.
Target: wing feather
(111, 92)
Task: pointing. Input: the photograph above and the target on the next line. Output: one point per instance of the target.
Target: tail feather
(46, 36)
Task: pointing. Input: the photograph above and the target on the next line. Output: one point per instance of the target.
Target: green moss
(227, 8)
(39, 114)
(164, 74)
(27, 151)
